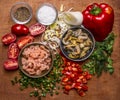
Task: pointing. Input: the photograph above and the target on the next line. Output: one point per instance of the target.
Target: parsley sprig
(101, 60)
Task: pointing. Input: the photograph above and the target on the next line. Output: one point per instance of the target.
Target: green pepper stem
(95, 10)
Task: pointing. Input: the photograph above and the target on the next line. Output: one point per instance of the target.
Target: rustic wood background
(107, 87)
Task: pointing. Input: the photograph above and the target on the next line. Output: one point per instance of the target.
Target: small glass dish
(21, 13)
(46, 14)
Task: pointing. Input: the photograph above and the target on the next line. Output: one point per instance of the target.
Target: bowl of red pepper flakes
(77, 43)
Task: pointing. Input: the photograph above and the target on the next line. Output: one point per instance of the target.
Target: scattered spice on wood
(22, 14)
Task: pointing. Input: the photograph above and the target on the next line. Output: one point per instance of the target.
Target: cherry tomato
(37, 29)
(84, 87)
(67, 87)
(65, 79)
(24, 40)
(88, 76)
(10, 64)
(8, 38)
(81, 93)
(74, 78)
(78, 85)
(13, 51)
(19, 29)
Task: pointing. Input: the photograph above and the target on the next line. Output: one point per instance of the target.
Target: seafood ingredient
(10, 64)
(24, 40)
(37, 29)
(54, 32)
(19, 29)
(76, 43)
(8, 38)
(13, 51)
(99, 19)
(36, 59)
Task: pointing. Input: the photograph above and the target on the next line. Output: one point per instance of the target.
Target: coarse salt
(46, 14)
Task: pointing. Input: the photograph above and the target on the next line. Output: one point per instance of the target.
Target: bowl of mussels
(77, 43)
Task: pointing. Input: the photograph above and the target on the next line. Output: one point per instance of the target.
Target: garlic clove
(73, 18)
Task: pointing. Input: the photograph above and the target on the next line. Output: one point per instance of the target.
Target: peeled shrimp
(36, 59)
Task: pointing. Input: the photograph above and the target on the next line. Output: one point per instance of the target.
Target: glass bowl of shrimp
(35, 60)
(77, 43)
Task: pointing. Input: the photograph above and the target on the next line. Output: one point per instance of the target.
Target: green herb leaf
(101, 60)
(44, 85)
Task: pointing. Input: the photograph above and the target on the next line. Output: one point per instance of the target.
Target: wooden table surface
(107, 87)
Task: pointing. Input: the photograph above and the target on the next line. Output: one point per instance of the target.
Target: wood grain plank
(107, 87)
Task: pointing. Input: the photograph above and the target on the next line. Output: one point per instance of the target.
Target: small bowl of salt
(46, 14)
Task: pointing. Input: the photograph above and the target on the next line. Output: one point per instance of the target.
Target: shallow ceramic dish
(24, 64)
(75, 52)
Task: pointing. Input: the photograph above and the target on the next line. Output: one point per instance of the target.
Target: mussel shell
(89, 52)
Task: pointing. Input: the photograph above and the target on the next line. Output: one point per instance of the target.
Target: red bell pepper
(99, 19)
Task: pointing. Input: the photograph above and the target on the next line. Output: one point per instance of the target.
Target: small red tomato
(37, 29)
(84, 88)
(19, 29)
(8, 38)
(24, 40)
(10, 64)
(89, 76)
(67, 87)
(68, 63)
(65, 79)
(74, 78)
(84, 80)
(13, 51)
(78, 85)
(74, 69)
(81, 93)
(69, 68)
(85, 73)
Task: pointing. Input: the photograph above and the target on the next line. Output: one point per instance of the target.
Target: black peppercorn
(22, 14)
